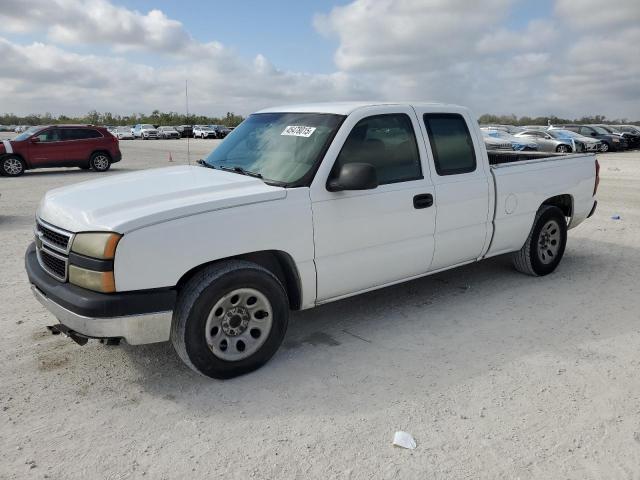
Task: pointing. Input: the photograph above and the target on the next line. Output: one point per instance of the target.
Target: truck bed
(523, 180)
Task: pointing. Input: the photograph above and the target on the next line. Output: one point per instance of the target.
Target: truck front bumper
(137, 317)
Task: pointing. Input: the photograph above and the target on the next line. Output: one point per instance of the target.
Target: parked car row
(145, 131)
(562, 138)
(210, 131)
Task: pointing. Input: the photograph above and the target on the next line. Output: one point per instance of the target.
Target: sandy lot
(497, 375)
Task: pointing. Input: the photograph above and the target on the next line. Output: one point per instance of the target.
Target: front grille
(54, 238)
(54, 264)
(53, 245)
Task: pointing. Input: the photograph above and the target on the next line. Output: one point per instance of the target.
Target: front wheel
(230, 319)
(12, 166)
(544, 248)
(604, 147)
(563, 149)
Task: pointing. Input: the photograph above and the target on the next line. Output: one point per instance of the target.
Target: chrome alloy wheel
(238, 324)
(101, 162)
(13, 166)
(549, 242)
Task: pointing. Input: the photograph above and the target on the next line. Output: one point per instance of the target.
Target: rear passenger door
(462, 196)
(368, 238)
(79, 143)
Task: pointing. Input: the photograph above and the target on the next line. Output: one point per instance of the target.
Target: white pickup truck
(297, 207)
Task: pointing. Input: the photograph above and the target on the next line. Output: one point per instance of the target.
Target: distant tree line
(107, 118)
(515, 120)
(231, 120)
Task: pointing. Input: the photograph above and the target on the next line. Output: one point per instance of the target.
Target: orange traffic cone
(170, 157)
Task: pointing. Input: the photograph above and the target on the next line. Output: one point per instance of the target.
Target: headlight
(100, 245)
(90, 279)
(616, 140)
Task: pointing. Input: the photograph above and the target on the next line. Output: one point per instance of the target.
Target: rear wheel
(544, 248)
(230, 319)
(100, 162)
(12, 166)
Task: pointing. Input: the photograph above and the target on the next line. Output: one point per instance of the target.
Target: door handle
(424, 200)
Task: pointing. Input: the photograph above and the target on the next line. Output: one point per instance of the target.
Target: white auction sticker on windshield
(298, 131)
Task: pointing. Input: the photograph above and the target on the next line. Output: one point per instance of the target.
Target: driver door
(46, 148)
(368, 238)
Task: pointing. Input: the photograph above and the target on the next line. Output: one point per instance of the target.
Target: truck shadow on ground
(439, 329)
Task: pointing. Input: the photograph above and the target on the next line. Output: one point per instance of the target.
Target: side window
(90, 133)
(79, 133)
(71, 134)
(387, 142)
(451, 143)
(50, 135)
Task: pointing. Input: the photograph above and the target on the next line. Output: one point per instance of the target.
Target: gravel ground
(496, 375)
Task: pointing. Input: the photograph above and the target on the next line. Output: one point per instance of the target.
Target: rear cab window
(451, 143)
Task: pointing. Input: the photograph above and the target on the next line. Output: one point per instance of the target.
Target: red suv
(81, 146)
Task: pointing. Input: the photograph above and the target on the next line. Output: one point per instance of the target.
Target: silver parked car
(495, 143)
(517, 143)
(547, 142)
(168, 133)
(123, 133)
(581, 142)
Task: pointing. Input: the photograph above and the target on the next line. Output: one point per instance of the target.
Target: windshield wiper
(202, 163)
(241, 171)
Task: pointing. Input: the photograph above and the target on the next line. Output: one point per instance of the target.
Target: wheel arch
(99, 150)
(278, 262)
(564, 202)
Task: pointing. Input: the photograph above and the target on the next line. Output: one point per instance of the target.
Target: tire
(605, 147)
(563, 149)
(12, 166)
(100, 162)
(535, 257)
(219, 338)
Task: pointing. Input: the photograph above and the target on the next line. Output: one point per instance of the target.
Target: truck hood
(126, 202)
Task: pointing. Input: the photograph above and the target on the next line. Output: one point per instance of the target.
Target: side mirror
(593, 134)
(354, 176)
(34, 139)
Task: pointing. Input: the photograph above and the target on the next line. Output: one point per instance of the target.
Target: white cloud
(576, 61)
(39, 77)
(95, 21)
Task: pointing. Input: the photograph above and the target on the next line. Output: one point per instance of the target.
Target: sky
(569, 58)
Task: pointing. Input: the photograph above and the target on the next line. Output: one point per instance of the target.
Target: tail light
(595, 187)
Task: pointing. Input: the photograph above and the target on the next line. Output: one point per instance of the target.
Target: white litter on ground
(404, 440)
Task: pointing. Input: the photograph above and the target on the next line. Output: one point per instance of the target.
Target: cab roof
(346, 108)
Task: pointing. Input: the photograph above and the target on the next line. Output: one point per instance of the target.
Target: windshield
(26, 134)
(612, 129)
(123, 129)
(600, 130)
(560, 133)
(282, 147)
(500, 134)
(148, 126)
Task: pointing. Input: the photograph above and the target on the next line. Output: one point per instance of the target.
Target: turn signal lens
(100, 245)
(90, 279)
